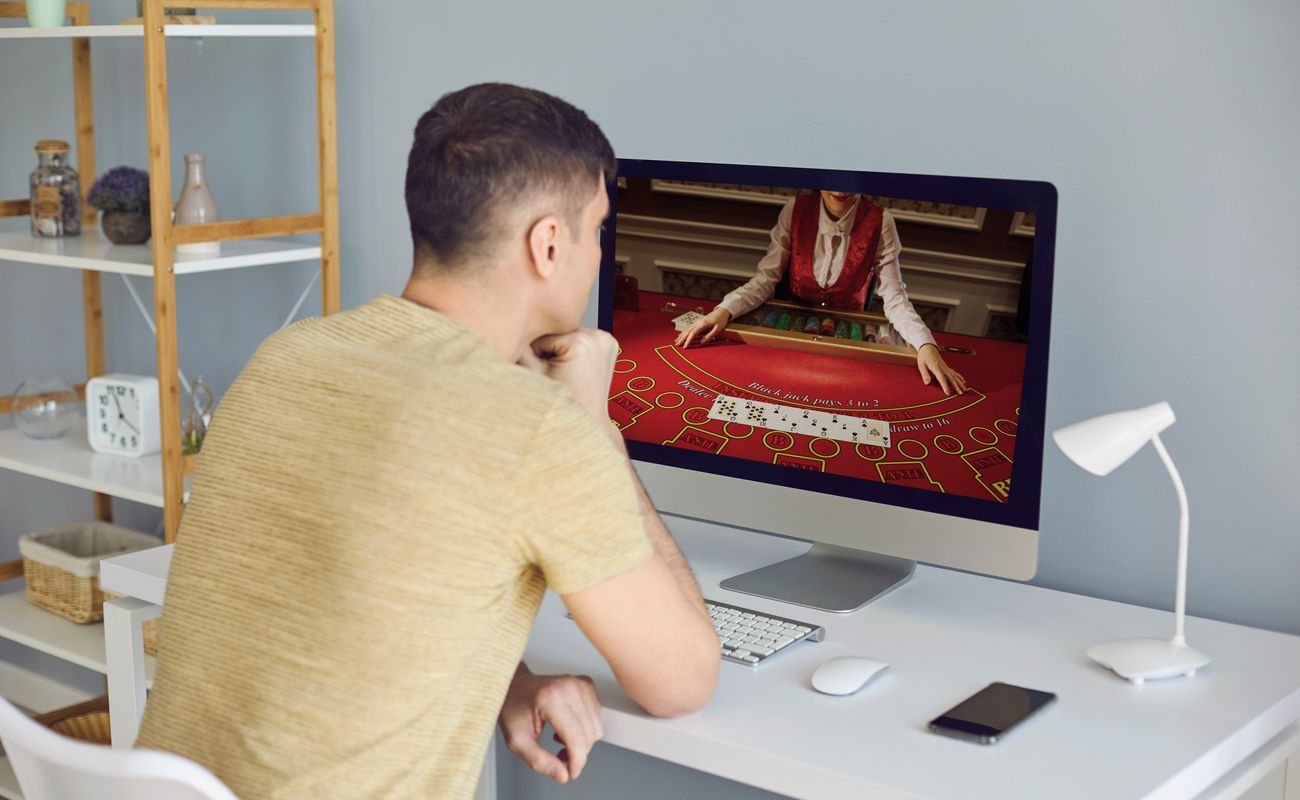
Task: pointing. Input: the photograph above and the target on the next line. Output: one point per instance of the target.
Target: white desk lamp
(1099, 445)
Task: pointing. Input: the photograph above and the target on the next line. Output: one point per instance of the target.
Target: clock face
(122, 414)
(116, 421)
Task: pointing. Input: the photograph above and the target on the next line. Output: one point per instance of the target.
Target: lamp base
(1142, 660)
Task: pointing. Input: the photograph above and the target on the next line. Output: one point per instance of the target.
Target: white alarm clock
(122, 414)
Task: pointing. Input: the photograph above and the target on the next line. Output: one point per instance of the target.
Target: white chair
(53, 767)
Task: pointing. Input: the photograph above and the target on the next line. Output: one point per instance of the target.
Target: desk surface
(141, 574)
(947, 634)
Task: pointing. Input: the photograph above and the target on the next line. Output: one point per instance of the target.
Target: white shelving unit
(70, 461)
(9, 789)
(92, 251)
(156, 480)
(83, 645)
(172, 31)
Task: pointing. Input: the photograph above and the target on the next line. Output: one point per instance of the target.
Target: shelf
(91, 250)
(69, 460)
(175, 31)
(9, 788)
(83, 645)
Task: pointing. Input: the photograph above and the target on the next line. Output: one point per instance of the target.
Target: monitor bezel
(1022, 508)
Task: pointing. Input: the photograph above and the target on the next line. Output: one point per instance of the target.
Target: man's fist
(582, 360)
(568, 703)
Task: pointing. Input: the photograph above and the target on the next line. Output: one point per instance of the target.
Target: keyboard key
(749, 637)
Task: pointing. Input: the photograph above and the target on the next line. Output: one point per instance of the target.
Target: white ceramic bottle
(196, 205)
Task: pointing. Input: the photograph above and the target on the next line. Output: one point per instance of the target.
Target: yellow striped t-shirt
(380, 503)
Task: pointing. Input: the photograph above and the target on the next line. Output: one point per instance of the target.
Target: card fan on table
(821, 424)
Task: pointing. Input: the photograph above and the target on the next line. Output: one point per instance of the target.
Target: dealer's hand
(582, 360)
(568, 703)
(714, 323)
(932, 367)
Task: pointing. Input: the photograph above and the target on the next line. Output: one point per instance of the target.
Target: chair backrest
(53, 767)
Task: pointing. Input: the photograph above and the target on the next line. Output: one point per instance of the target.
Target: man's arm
(649, 623)
(662, 541)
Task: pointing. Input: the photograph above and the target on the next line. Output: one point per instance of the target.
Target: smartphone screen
(991, 712)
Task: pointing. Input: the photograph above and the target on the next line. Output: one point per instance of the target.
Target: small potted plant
(122, 194)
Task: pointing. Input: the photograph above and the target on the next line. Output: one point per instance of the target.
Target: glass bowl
(46, 408)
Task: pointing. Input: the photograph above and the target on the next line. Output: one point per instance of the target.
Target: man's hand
(568, 703)
(582, 360)
(932, 367)
(716, 322)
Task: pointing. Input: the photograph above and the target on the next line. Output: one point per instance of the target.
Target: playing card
(807, 421)
(685, 321)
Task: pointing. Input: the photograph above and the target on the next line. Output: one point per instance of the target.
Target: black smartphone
(989, 713)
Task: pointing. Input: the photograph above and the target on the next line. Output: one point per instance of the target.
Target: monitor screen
(840, 302)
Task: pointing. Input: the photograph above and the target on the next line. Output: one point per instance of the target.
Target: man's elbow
(689, 693)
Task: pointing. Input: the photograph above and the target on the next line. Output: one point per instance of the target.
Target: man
(385, 494)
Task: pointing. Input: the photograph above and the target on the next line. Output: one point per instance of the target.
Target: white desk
(947, 634)
(141, 577)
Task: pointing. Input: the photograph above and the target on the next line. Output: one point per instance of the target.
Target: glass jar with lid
(55, 192)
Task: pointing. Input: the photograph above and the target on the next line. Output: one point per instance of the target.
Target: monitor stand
(827, 577)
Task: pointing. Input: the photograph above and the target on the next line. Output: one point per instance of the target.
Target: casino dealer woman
(826, 249)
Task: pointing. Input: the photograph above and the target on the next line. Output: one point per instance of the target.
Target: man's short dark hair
(481, 150)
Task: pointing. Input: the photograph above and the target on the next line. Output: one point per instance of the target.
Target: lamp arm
(1180, 593)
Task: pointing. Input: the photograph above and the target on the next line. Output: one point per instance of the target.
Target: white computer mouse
(846, 675)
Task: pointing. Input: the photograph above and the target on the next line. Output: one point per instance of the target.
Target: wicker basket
(87, 721)
(61, 565)
(150, 630)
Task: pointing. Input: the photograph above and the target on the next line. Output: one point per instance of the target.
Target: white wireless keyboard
(750, 637)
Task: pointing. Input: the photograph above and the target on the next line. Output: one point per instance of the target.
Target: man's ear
(543, 238)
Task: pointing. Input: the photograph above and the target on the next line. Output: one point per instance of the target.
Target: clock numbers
(103, 399)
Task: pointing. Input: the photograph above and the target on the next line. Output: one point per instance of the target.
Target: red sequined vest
(849, 291)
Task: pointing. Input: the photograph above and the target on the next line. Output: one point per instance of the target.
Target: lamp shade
(1101, 444)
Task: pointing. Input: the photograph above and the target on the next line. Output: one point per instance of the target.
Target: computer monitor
(808, 416)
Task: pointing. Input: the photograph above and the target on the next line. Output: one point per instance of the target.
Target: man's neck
(480, 308)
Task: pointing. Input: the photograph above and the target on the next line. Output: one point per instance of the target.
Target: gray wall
(1168, 129)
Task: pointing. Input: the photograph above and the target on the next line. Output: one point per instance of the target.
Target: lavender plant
(121, 189)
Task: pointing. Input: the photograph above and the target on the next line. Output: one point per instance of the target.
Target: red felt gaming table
(962, 445)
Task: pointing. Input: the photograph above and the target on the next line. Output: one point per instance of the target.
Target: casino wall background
(963, 265)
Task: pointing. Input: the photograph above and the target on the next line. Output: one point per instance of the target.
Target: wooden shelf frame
(323, 222)
(128, 30)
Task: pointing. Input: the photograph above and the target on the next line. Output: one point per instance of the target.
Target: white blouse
(828, 261)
